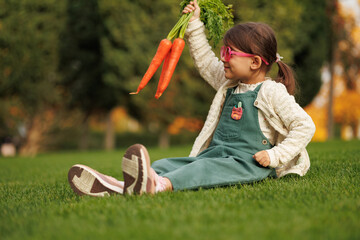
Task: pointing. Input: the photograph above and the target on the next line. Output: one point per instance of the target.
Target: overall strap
(258, 88)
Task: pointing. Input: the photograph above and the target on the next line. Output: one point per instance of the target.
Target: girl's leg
(215, 172)
(167, 165)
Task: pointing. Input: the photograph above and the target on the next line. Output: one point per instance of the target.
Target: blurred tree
(28, 34)
(347, 110)
(346, 107)
(10, 120)
(311, 49)
(348, 46)
(336, 34)
(83, 68)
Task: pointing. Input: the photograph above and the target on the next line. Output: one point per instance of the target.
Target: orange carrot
(163, 71)
(176, 50)
(163, 49)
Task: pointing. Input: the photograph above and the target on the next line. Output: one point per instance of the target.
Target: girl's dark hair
(259, 39)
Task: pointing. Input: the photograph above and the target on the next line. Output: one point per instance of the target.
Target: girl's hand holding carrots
(192, 7)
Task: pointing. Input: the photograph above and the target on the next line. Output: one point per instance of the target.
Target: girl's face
(238, 67)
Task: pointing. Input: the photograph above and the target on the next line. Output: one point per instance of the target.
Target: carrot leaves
(216, 16)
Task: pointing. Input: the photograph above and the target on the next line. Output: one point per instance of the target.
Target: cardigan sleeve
(208, 65)
(298, 123)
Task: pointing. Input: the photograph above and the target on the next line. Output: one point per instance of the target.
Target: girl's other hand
(192, 7)
(262, 158)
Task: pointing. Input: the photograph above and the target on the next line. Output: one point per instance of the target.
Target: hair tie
(278, 57)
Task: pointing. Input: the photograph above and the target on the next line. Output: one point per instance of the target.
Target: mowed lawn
(36, 202)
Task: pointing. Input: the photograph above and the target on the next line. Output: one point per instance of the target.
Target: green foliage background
(29, 37)
(43, 43)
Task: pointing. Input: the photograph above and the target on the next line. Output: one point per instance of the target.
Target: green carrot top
(216, 16)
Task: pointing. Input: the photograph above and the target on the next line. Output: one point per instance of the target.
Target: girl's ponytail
(286, 77)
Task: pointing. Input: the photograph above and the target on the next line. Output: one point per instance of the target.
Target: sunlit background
(336, 108)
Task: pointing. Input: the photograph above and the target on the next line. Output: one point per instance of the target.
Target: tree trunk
(354, 128)
(164, 139)
(332, 9)
(36, 133)
(330, 113)
(84, 138)
(109, 133)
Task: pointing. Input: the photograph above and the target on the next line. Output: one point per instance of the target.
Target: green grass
(36, 202)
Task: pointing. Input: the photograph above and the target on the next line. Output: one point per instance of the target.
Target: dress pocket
(228, 128)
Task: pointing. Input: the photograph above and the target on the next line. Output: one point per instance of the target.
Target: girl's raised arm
(208, 65)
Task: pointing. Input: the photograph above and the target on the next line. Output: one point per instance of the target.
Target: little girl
(254, 128)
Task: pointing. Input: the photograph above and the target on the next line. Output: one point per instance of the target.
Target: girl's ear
(256, 62)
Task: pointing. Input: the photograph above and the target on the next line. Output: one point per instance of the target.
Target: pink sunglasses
(226, 53)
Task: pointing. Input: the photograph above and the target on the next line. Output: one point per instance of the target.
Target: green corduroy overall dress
(228, 159)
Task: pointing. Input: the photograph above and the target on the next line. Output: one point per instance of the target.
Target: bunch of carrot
(169, 53)
(216, 17)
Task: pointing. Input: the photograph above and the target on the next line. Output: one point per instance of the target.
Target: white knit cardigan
(294, 128)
